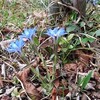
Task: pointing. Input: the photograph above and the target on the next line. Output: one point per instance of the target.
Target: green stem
(55, 57)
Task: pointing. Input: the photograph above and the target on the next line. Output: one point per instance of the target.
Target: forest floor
(66, 68)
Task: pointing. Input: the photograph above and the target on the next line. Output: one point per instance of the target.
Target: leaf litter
(36, 80)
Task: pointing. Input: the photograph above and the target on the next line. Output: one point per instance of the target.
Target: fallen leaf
(23, 75)
(56, 83)
(6, 30)
(32, 90)
(62, 91)
(5, 98)
(64, 82)
(39, 15)
(84, 97)
(71, 67)
(54, 94)
(96, 95)
(97, 76)
(29, 87)
(84, 57)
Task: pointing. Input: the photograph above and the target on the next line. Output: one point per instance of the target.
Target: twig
(71, 7)
(43, 43)
(23, 88)
(10, 66)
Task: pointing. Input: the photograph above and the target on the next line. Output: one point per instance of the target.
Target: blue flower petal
(95, 2)
(56, 29)
(61, 32)
(16, 46)
(28, 33)
(12, 50)
(56, 32)
(20, 43)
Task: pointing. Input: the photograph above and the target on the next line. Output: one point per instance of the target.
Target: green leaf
(85, 40)
(82, 24)
(15, 93)
(90, 24)
(37, 71)
(91, 40)
(63, 40)
(36, 41)
(71, 47)
(70, 37)
(71, 28)
(64, 49)
(97, 33)
(86, 80)
(79, 81)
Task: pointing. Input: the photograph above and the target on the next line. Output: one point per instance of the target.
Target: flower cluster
(93, 1)
(17, 45)
(56, 32)
(28, 33)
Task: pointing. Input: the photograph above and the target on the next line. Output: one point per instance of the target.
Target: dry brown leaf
(82, 63)
(29, 87)
(56, 83)
(51, 72)
(84, 97)
(46, 42)
(54, 94)
(58, 91)
(97, 76)
(6, 30)
(5, 98)
(96, 95)
(64, 82)
(72, 67)
(83, 57)
(39, 15)
(98, 86)
(23, 75)
(32, 90)
(62, 92)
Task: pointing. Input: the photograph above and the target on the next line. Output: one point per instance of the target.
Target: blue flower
(95, 2)
(28, 33)
(56, 32)
(16, 46)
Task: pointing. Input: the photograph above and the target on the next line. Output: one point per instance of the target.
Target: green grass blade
(86, 80)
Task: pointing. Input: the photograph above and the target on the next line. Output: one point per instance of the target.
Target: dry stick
(87, 96)
(43, 43)
(10, 66)
(71, 7)
(23, 87)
